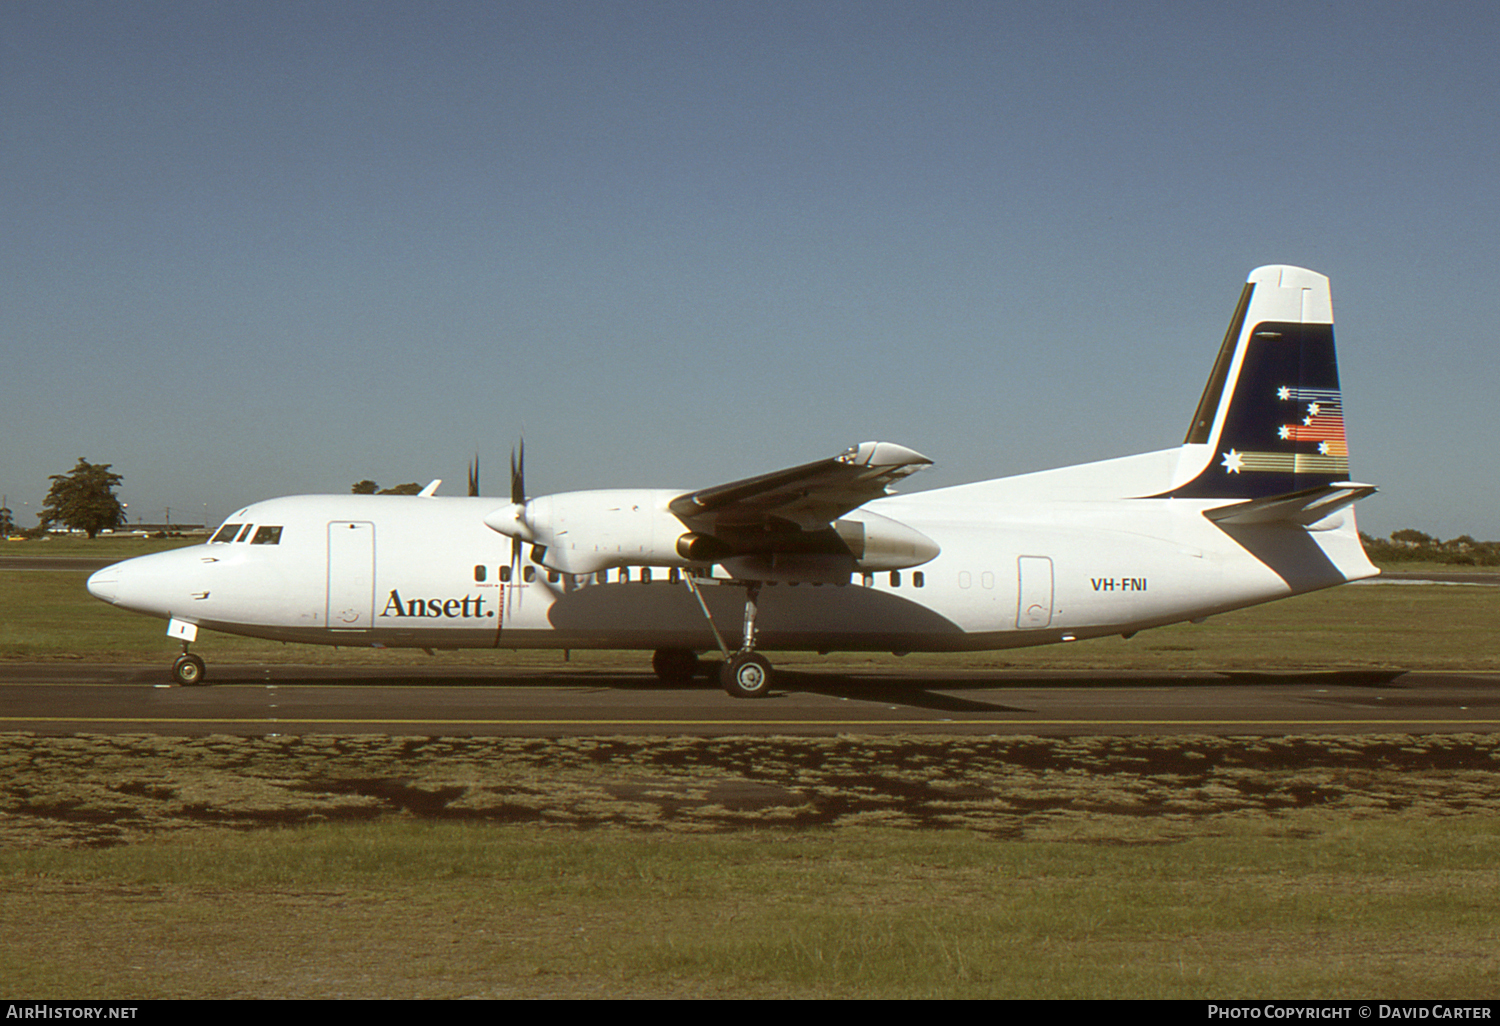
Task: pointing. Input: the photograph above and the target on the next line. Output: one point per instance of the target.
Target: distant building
(148, 529)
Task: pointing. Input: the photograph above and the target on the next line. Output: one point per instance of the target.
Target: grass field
(496, 867)
(1302, 907)
(1359, 867)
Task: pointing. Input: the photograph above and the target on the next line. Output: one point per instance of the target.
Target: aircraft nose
(105, 584)
(152, 584)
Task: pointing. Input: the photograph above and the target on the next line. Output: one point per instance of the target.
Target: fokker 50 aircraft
(1254, 505)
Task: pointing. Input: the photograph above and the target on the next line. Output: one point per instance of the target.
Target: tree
(84, 499)
(7, 522)
(371, 488)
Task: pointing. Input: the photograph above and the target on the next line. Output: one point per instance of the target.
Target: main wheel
(675, 666)
(746, 675)
(189, 669)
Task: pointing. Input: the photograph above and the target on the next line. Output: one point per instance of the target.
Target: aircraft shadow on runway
(932, 690)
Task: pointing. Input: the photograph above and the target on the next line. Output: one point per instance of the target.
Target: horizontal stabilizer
(1304, 507)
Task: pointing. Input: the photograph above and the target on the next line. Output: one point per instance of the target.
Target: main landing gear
(746, 673)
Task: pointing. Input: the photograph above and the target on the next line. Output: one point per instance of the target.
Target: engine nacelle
(702, 548)
(585, 532)
(880, 543)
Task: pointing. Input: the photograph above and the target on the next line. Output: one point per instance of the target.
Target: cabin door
(1034, 601)
(351, 575)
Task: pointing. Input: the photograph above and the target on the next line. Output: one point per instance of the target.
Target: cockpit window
(245, 533)
(267, 535)
(226, 533)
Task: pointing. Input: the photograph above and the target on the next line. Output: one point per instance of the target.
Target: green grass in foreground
(444, 867)
(47, 616)
(1307, 906)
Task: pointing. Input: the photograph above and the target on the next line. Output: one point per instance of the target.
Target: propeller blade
(517, 498)
(474, 476)
(518, 474)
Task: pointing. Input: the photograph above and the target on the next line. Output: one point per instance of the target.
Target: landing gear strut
(746, 673)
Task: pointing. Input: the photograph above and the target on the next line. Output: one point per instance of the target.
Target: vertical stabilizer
(1271, 420)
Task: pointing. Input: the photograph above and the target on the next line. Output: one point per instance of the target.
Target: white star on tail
(1233, 463)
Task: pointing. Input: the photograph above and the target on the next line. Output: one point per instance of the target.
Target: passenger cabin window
(267, 535)
(505, 575)
(528, 574)
(226, 533)
(895, 578)
(917, 579)
(480, 573)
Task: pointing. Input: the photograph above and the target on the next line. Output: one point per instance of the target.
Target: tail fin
(1271, 420)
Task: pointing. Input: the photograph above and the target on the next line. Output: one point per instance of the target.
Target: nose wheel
(189, 670)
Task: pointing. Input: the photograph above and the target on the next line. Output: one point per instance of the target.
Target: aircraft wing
(810, 496)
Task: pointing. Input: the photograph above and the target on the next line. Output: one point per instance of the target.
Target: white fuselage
(409, 571)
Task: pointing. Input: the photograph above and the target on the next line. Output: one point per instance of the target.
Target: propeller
(474, 476)
(516, 521)
(518, 503)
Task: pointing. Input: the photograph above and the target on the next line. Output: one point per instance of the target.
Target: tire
(675, 666)
(189, 670)
(747, 675)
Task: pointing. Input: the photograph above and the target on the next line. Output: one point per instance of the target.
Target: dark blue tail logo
(1284, 428)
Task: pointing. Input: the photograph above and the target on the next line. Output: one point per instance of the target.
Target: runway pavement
(55, 698)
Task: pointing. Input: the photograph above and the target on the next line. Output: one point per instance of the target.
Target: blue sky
(273, 248)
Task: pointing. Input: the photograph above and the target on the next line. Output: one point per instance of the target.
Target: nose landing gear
(189, 669)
